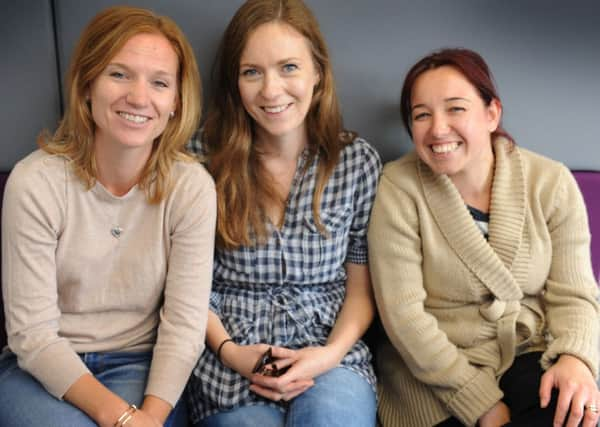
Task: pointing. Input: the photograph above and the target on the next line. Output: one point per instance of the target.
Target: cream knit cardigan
(457, 308)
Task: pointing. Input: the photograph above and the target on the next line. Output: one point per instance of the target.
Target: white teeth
(133, 117)
(444, 148)
(277, 109)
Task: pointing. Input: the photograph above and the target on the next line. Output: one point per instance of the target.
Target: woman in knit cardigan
(480, 261)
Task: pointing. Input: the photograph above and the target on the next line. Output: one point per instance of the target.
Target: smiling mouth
(133, 117)
(276, 109)
(445, 148)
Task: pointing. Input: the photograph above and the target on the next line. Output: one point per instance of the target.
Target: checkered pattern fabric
(288, 291)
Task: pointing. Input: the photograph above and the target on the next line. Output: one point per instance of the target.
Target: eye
(420, 116)
(161, 84)
(249, 72)
(289, 68)
(456, 109)
(117, 75)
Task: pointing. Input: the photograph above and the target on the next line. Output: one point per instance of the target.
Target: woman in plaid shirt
(294, 198)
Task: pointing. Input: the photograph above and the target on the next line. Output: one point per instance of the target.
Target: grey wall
(30, 97)
(545, 58)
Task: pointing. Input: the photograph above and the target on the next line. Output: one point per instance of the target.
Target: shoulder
(191, 172)
(360, 158)
(538, 163)
(190, 181)
(542, 172)
(549, 183)
(39, 183)
(402, 172)
(362, 150)
(195, 145)
(38, 171)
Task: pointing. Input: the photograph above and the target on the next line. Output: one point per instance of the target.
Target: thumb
(283, 353)
(546, 388)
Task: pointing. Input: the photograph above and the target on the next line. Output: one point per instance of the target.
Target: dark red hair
(469, 63)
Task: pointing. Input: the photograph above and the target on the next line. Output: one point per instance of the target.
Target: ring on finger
(592, 408)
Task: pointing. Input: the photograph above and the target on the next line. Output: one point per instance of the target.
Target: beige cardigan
(458, 308)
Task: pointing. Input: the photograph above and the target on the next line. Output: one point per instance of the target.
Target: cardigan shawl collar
(491, 261)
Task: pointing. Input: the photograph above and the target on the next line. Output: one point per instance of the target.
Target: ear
(174, 105)
(317, 76)
(494, 113)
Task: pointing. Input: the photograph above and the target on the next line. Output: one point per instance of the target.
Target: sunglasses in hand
(265, 365)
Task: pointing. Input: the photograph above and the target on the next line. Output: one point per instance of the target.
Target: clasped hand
(303, 366)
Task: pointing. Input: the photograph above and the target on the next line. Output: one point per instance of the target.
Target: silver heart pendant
(116, 231)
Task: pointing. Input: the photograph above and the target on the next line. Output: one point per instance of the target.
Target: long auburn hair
(100, 41)
(244, 187)
(471, 65)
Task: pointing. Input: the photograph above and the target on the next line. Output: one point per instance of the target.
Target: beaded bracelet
(126, 416)
(225, 341)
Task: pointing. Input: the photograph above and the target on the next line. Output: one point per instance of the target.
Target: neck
(475, 186)
(118, 170)
(287, 148)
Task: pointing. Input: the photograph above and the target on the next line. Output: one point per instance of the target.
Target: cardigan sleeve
(571, 291)
(395, 261)
(183, 316)
(32, 220)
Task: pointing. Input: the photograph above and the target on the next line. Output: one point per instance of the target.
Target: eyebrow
(158, 72)
(283, 61)
(454, 98)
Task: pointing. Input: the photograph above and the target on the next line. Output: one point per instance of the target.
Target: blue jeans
(25, 402)
(339, 397)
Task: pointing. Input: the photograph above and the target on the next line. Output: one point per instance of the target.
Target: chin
(443, 169)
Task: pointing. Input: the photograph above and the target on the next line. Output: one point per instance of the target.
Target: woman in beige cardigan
(480, 261)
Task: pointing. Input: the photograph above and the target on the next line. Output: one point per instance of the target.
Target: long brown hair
(244, 188)
(100, 41)
(470, 64)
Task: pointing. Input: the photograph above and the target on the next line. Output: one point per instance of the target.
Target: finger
(285, 362)
(297, 385)
(576, 411)
(268, 393)
(546, 389)
(280, 384)
(590, 418)
(266, 381)
(289, 396)
(562, 406)
(284, 353)
(295, 390)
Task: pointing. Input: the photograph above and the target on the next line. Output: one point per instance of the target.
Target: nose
(271, 86)
(439, 125)
(138, 94)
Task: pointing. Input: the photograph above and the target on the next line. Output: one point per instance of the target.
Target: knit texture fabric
(456, 308)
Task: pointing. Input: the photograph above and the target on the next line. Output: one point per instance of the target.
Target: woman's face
(133, 96)
(277, 79)
(451, 125)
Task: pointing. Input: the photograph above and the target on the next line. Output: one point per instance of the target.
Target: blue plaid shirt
(289, 291)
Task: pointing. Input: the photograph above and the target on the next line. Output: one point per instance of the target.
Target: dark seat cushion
(3, 176)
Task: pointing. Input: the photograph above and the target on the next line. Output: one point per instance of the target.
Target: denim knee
(340, 397)
(25, 402)
(246, 416)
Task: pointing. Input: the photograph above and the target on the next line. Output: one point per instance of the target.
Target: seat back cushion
(589, 183)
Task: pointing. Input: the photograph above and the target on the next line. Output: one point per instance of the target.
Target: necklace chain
(115, 229)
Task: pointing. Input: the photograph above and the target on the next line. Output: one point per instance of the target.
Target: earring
(172, 114)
